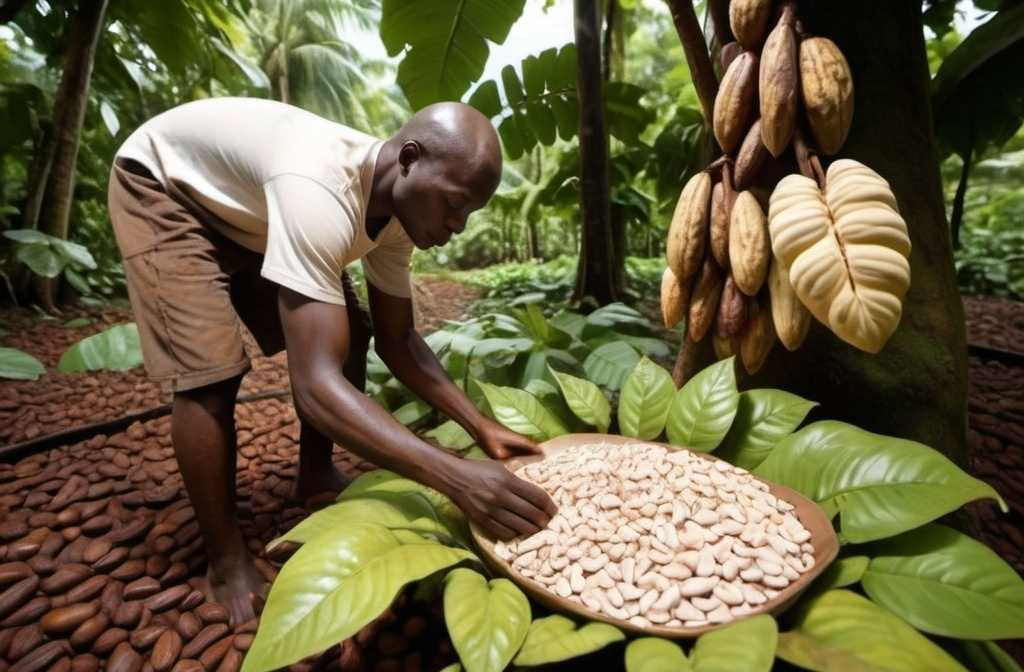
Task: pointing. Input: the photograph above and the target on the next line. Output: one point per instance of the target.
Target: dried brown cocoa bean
(177, 572)
(167, 599)
(86, 633)
(214, 653)
(232, 661)
(188, 666)
(156, 565)
(94, 527)
(165, 651)
(129, 570)
(143, 638)
(66, 577)
(18, 595)
(205, 638)
(27, 546)
(29, 613)
(124, 659)
(27, 638)
(42, 657)
(212, 612)
(63, 620)
(243, 641)
(163, 545)
(111, 559)
(88, 589)
(192, 600)
(141, 588)
(12, 572)
(129, 615)
(106, 642)
(85, 662)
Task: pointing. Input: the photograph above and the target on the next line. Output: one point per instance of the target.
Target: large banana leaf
(446, 41)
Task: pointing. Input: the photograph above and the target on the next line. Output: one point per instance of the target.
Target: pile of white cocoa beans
(659, 537)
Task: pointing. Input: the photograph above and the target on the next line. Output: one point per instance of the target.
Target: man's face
(434, 203)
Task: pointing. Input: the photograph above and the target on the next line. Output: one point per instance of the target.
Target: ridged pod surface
(704, 300)
(688, 232)
(718, 228)
(748, 20)
(826, 85)
(674, 298)
(749, 244)
(759, 337)
(789, 315)
(846, 249)
(736, 101)
(778, 84)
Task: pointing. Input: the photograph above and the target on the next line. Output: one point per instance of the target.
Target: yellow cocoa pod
(704, 300)
(827, 87)
(674, 298)
(749, 244)
(736, 100)
(719, 225)
(748, 20)
(688, 232)
(789, 315)
(778, 79)
(759, 338)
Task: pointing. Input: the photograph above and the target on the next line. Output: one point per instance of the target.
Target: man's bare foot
(316, 488)
(241, 588)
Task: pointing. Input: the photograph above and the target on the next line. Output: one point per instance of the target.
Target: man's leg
(204, 440)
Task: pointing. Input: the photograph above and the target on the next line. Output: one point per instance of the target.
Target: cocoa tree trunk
(599, 275)
(916, 387)
(57, 185)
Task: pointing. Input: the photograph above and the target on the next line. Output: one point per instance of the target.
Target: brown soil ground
(99, 549)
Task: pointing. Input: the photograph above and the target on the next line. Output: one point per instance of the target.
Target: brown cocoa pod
(731, 319)
(750, 248)
(790, 317)
(736, 100)
(111, 559)
(748, 20)
(88, 589)
(213, 612)
(28, 613)
(64, 620)
(12, 572)
(779, 81)
(687, 234)
(129, 570)
(215, 652)
(827, 91)
(124, 659)
(704, 299)
(750, 158)
(16, 596)
(205, 638)
(129, 615)
(759, 338)
(232, 661)
(106, 642)
(165, 651)
(42, 657)
(27, 637)
(718, 224)
(143, 638)
(141, 588)
(167, 599)
(86, 633)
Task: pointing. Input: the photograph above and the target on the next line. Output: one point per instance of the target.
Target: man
(234, 210)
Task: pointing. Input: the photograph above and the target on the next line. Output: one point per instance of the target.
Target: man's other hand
(502, 443)
(501, 502)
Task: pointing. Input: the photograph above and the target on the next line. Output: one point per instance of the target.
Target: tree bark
(599, 275)
(916, 387)
(86, 26)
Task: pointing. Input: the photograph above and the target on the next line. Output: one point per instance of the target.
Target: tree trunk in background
(916, 387)
(599, 275)
(84, 30)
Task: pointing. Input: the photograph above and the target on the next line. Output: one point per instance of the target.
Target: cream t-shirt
(280, 181)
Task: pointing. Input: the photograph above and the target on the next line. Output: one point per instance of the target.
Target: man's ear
(408, 155)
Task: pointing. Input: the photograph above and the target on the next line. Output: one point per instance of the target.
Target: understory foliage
(905, 592)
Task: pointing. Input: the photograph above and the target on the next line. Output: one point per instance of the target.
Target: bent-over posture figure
(234, 210)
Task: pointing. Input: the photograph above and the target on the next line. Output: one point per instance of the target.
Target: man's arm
(317, 337)
(413, 363)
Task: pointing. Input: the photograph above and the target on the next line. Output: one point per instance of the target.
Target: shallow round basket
(823, 538)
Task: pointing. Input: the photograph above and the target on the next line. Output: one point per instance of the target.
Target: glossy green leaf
(520, 411)
(18, 365)
(654, 654)
(586, 400)
(843, 572)
(451, 434)
(556, 638)
(945, 583)
(747, 644)
(644, 400)
(879, 485)
(41, 258)
(763, 418)
(513, 87)
(381, 483)
(703, 410)
(533, 76)
(566, 111)
(116, 348)
(333, 586)
(609, 364)
(541, 121)
(511, 138)
(840, 630)
(487, 620)
(447, 43)
(486, 99)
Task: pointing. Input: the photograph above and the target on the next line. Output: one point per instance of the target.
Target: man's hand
(501, 442)
(499, 501)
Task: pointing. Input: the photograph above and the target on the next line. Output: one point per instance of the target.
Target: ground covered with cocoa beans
(100, 556)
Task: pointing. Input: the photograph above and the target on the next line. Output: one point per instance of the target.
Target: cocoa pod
(759, 337)
(205, 638)
(736, 101)
(750, 245)
(731, 319)
(65, 619)
(687, 234)
(790, 316)
(778, 85)
(718, 227)
(729, 52)
(826, 85)
(748, 20)
(165, 651)
(42, 657)
(704, 299)
(124, 659)
(674, 299)
(750, 157)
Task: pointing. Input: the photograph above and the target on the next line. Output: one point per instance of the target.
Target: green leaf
(585, 399)
(42, 258)
(487, 620)
(644, 401)
(987, 657)
(555, 638)
(27, 236)
(511, 138)
(513, 87)
(521, 412)
(451, 434)
(945, 583)
(116, 348)
(747, 644)
(381, 482)
(840, 630)
(843, 572)
(18, 365)
(485, 99)
(333, 586)
(879, 485)
(609, 364)
(763, 418)
(447, 43)
(109, 115)
(412, 412)
(703, 410)
(654, 654)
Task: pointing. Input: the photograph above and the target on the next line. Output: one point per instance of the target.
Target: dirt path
(101, 534)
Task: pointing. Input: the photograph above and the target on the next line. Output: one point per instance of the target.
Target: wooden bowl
(823, 538)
